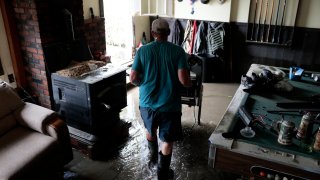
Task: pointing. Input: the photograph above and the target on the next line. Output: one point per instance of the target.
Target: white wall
(239, 10)
(86, 8)
(308, 14)
(231, 10)
(5, 53)
(213, 11)
(141, 24)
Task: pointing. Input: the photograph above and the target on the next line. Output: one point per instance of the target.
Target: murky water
(189, 159)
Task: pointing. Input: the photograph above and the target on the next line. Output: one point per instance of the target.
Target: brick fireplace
(41, 22)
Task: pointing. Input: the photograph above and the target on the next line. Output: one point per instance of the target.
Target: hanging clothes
(187, 40)
(200, 43)
(215, 38)
(175, 35)
(194, 32)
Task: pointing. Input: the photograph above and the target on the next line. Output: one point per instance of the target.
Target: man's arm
(135, 78)
(184, 77)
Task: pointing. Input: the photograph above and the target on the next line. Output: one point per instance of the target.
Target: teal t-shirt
(158, 64)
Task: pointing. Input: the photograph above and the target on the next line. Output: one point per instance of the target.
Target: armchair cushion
(34, 142)
(9, 102)
(7, 123)
(20, 148)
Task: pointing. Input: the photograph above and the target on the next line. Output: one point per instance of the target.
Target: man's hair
(160, 26)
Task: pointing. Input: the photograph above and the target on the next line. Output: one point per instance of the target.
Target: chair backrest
(9, 102)
(196, 67)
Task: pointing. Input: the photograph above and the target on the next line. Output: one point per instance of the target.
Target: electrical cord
(27, 96)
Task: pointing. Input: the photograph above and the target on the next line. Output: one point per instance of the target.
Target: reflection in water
(189, 160)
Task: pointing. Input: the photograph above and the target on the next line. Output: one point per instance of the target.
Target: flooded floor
(190, 156)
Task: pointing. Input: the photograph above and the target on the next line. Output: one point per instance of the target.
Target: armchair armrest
(34, 117)
(47, 122)
(57, 128)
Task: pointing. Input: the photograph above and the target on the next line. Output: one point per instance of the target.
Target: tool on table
(311, 102)
(295, 73)
(300, 104)
(315, 77)
(299, 111)
(247, 118)
(250, 120)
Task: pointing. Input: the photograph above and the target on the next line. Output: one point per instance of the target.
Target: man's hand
(184, 77)
(134, 78)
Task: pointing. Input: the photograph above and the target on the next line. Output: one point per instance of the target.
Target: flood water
(189, 159)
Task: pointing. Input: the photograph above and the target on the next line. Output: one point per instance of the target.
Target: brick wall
(31, 47)
(95, 34)
(42, 22)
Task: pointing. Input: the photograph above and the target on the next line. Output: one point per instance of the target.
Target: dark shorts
(169, 124)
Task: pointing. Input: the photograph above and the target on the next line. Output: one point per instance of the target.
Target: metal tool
(300, 111)
(245, 116)
(299, 104)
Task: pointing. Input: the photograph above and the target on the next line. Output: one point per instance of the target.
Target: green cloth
(260, 103)
(158, 64)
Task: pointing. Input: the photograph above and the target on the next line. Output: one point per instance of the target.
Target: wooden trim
(240, 164)
(13, 41)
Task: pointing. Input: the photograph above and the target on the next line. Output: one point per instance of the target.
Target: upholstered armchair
(34, 141)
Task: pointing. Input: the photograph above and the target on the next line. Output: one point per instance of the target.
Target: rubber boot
(153, 152)
(164, 172)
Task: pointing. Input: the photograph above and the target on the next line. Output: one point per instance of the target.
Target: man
(160, 69)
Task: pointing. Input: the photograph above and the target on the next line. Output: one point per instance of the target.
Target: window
(119, 30)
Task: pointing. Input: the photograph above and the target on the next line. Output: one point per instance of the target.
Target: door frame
(13, 42)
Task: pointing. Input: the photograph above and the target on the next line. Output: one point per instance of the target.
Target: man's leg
(166, 148)
(164, 171)
(149, 119)
(170, 130)
(153, 147)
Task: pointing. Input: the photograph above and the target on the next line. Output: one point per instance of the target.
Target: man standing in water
(160, 70)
